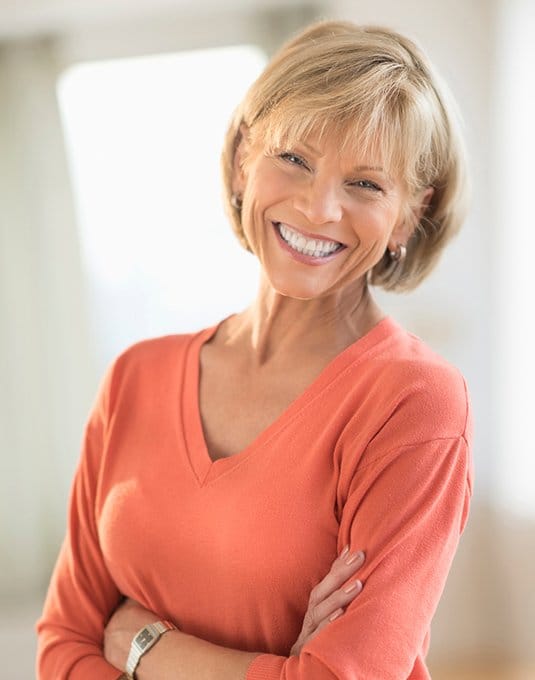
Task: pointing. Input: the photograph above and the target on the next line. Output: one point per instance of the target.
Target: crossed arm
(178, 656)
(409, 544)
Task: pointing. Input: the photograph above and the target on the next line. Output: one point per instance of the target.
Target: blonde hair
(378, 89)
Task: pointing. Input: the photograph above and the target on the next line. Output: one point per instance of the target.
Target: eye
(293, 159)
(366, 184)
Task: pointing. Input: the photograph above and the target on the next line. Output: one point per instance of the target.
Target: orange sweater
(374, 453)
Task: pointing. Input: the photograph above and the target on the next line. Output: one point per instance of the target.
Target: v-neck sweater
(375, 453)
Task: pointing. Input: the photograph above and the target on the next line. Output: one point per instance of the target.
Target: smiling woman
(280, 496)
(376, 100)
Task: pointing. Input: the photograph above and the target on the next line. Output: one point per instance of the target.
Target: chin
(297, 297)
(299, 285)
(296, 291)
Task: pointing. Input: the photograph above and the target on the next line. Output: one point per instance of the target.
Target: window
(514, 251)
(144, 138)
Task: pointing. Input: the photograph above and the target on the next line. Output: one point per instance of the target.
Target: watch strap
(144, 640)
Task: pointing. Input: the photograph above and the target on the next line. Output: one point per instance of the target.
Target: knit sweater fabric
(375, 453)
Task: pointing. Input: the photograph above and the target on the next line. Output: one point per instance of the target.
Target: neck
(276, 329)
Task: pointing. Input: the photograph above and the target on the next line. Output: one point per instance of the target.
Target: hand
(328, 598)
(125, 622)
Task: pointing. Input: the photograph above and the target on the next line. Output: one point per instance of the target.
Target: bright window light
(144, 138)
(515, 343)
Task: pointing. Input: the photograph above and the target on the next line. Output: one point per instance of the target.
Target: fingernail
(344, 551)
(354, 557)
(336, 614)
(352, 586)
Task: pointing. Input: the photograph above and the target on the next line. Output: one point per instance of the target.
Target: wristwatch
(144, 640)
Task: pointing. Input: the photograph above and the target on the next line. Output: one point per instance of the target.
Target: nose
(320, 201)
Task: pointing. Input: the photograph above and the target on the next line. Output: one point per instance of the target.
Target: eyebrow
(358, 168)
(375, 168)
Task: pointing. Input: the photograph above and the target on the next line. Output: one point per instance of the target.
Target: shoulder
(144, 368)
(416, 390)
(152, 350)
(150, 354)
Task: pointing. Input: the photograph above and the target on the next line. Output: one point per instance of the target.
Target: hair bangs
(391, 127)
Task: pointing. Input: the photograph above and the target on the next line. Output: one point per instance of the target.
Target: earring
(399, 254)
(236, 201)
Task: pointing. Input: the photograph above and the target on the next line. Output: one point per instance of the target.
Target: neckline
(206, 469)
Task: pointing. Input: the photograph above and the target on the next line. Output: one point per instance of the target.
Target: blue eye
(366, 184)
(293, 158)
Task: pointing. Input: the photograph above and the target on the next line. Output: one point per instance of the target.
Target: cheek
(372, 226)
(265, 190)
(374, 223)
(268, 185)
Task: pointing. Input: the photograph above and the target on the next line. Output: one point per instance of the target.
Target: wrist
(143, 642)
(163, 660)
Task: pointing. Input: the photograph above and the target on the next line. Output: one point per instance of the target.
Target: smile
(311, 247)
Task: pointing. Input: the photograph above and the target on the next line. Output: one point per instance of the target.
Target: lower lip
(301, 257)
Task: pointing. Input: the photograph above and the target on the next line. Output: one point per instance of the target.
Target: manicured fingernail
(353, 586)
(354, 557)
(344, 551)
(336, 614)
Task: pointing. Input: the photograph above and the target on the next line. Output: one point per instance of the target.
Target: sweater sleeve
(407, 509)
(81, 595)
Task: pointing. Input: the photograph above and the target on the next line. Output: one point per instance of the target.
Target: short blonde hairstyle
(378, 90)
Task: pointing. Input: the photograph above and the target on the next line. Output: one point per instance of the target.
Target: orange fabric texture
(374, 453)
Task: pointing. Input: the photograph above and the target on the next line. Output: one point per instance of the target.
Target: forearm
(178, 656)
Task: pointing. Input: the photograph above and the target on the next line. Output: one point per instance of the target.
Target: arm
(409, 507)
(82, 594)
(176, 655)
(184, 656)
(383, 638)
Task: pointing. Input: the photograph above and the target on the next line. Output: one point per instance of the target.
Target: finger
(342, 568)
(326, 621)
(336, 601)
(321, 625)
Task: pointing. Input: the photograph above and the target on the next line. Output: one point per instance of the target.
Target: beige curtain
(46, 375)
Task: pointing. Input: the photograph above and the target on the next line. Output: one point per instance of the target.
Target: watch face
(144, 638)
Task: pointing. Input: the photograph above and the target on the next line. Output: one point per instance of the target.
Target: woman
(236, 482)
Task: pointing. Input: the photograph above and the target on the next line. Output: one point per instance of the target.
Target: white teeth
(312, 247)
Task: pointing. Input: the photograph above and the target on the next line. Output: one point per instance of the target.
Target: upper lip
(307, 234)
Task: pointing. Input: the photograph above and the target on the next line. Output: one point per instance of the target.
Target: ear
(405, 228)
(240, 154)
(422, 204)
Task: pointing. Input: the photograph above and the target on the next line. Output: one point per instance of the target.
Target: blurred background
(112, 115)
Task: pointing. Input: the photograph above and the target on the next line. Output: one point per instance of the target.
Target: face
(317, 219)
